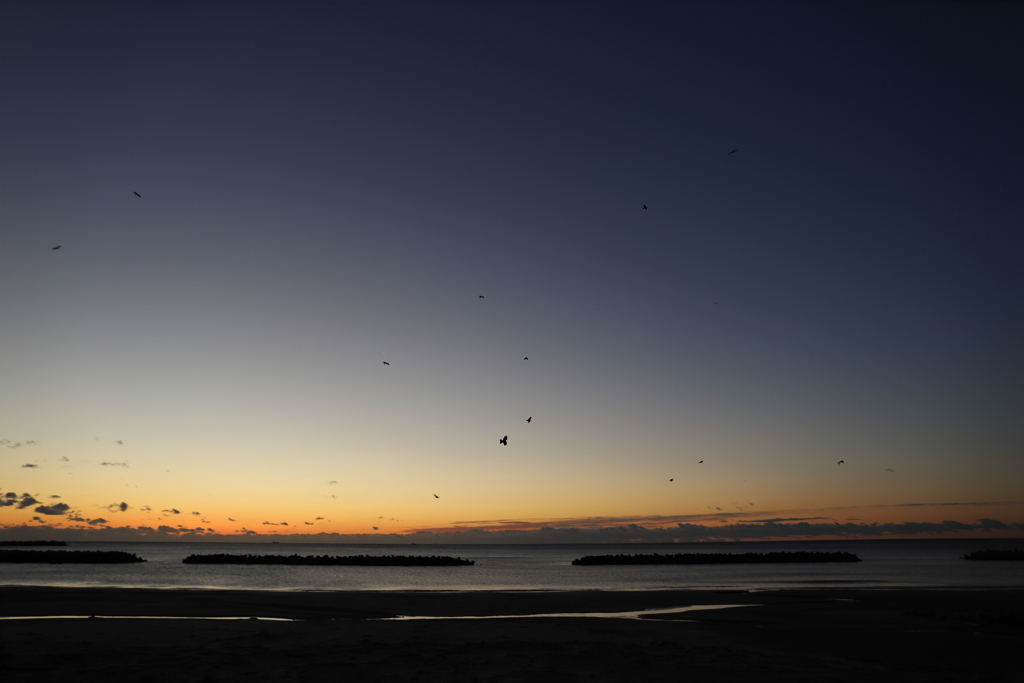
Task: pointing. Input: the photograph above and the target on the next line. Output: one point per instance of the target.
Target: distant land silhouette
(68, 556)
(12, 544)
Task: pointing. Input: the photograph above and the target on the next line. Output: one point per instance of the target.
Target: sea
(886, 563)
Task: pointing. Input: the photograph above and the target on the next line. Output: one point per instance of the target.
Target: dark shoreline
(87, 601)
(880, 635)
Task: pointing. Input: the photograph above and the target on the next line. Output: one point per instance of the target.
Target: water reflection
(639, 614)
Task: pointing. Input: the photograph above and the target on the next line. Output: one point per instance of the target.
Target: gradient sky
(327, 186)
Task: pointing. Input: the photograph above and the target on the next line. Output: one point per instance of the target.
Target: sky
(710, 250)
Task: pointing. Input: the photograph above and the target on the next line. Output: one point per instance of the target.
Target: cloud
(197, 513)
(116, 507)
(993, 524)
(54, 496)
(374, 528)
(27, 501)
(230, 520)
(172, 511)
(331, 483)
(31, 443)
(113, 464)
(739, 531)
(629, 533)
(58, 509)
(920, 505)
(663, 521)
(786, 519)
(97, 521)
(28, 464)
(119, 442)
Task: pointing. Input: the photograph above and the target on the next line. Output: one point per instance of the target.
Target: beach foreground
(793, 635)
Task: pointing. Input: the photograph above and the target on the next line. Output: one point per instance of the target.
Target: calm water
(886, 563)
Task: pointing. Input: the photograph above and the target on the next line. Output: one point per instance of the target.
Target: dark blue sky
(329, 185)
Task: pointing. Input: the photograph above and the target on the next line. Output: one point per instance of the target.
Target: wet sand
(796, 635)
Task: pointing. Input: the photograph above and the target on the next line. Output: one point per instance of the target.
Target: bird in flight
(734, 151)
(436, 496)
(840, 462)
(504, 442)
(137, 195)
(671, 479)
(386, 363)
(481, 296)
(526, 358)
(699, 461)
(55, 248)
(645, 207)
(529, 418)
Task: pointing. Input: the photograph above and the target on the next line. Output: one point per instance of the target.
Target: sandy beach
(797, 635)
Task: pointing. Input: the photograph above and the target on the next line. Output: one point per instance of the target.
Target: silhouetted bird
(481, 296)
(529, 418)
(137, 195)
(734, 151)
(504, 442)
(699, 461)
(840, 462)
(55, 248)
(645, 207)
(386, 363)
(436, 496)
(526, 358)
(671, 479)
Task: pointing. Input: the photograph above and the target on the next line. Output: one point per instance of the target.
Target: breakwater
(329, 560)
(718, 558)
(994, 555)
